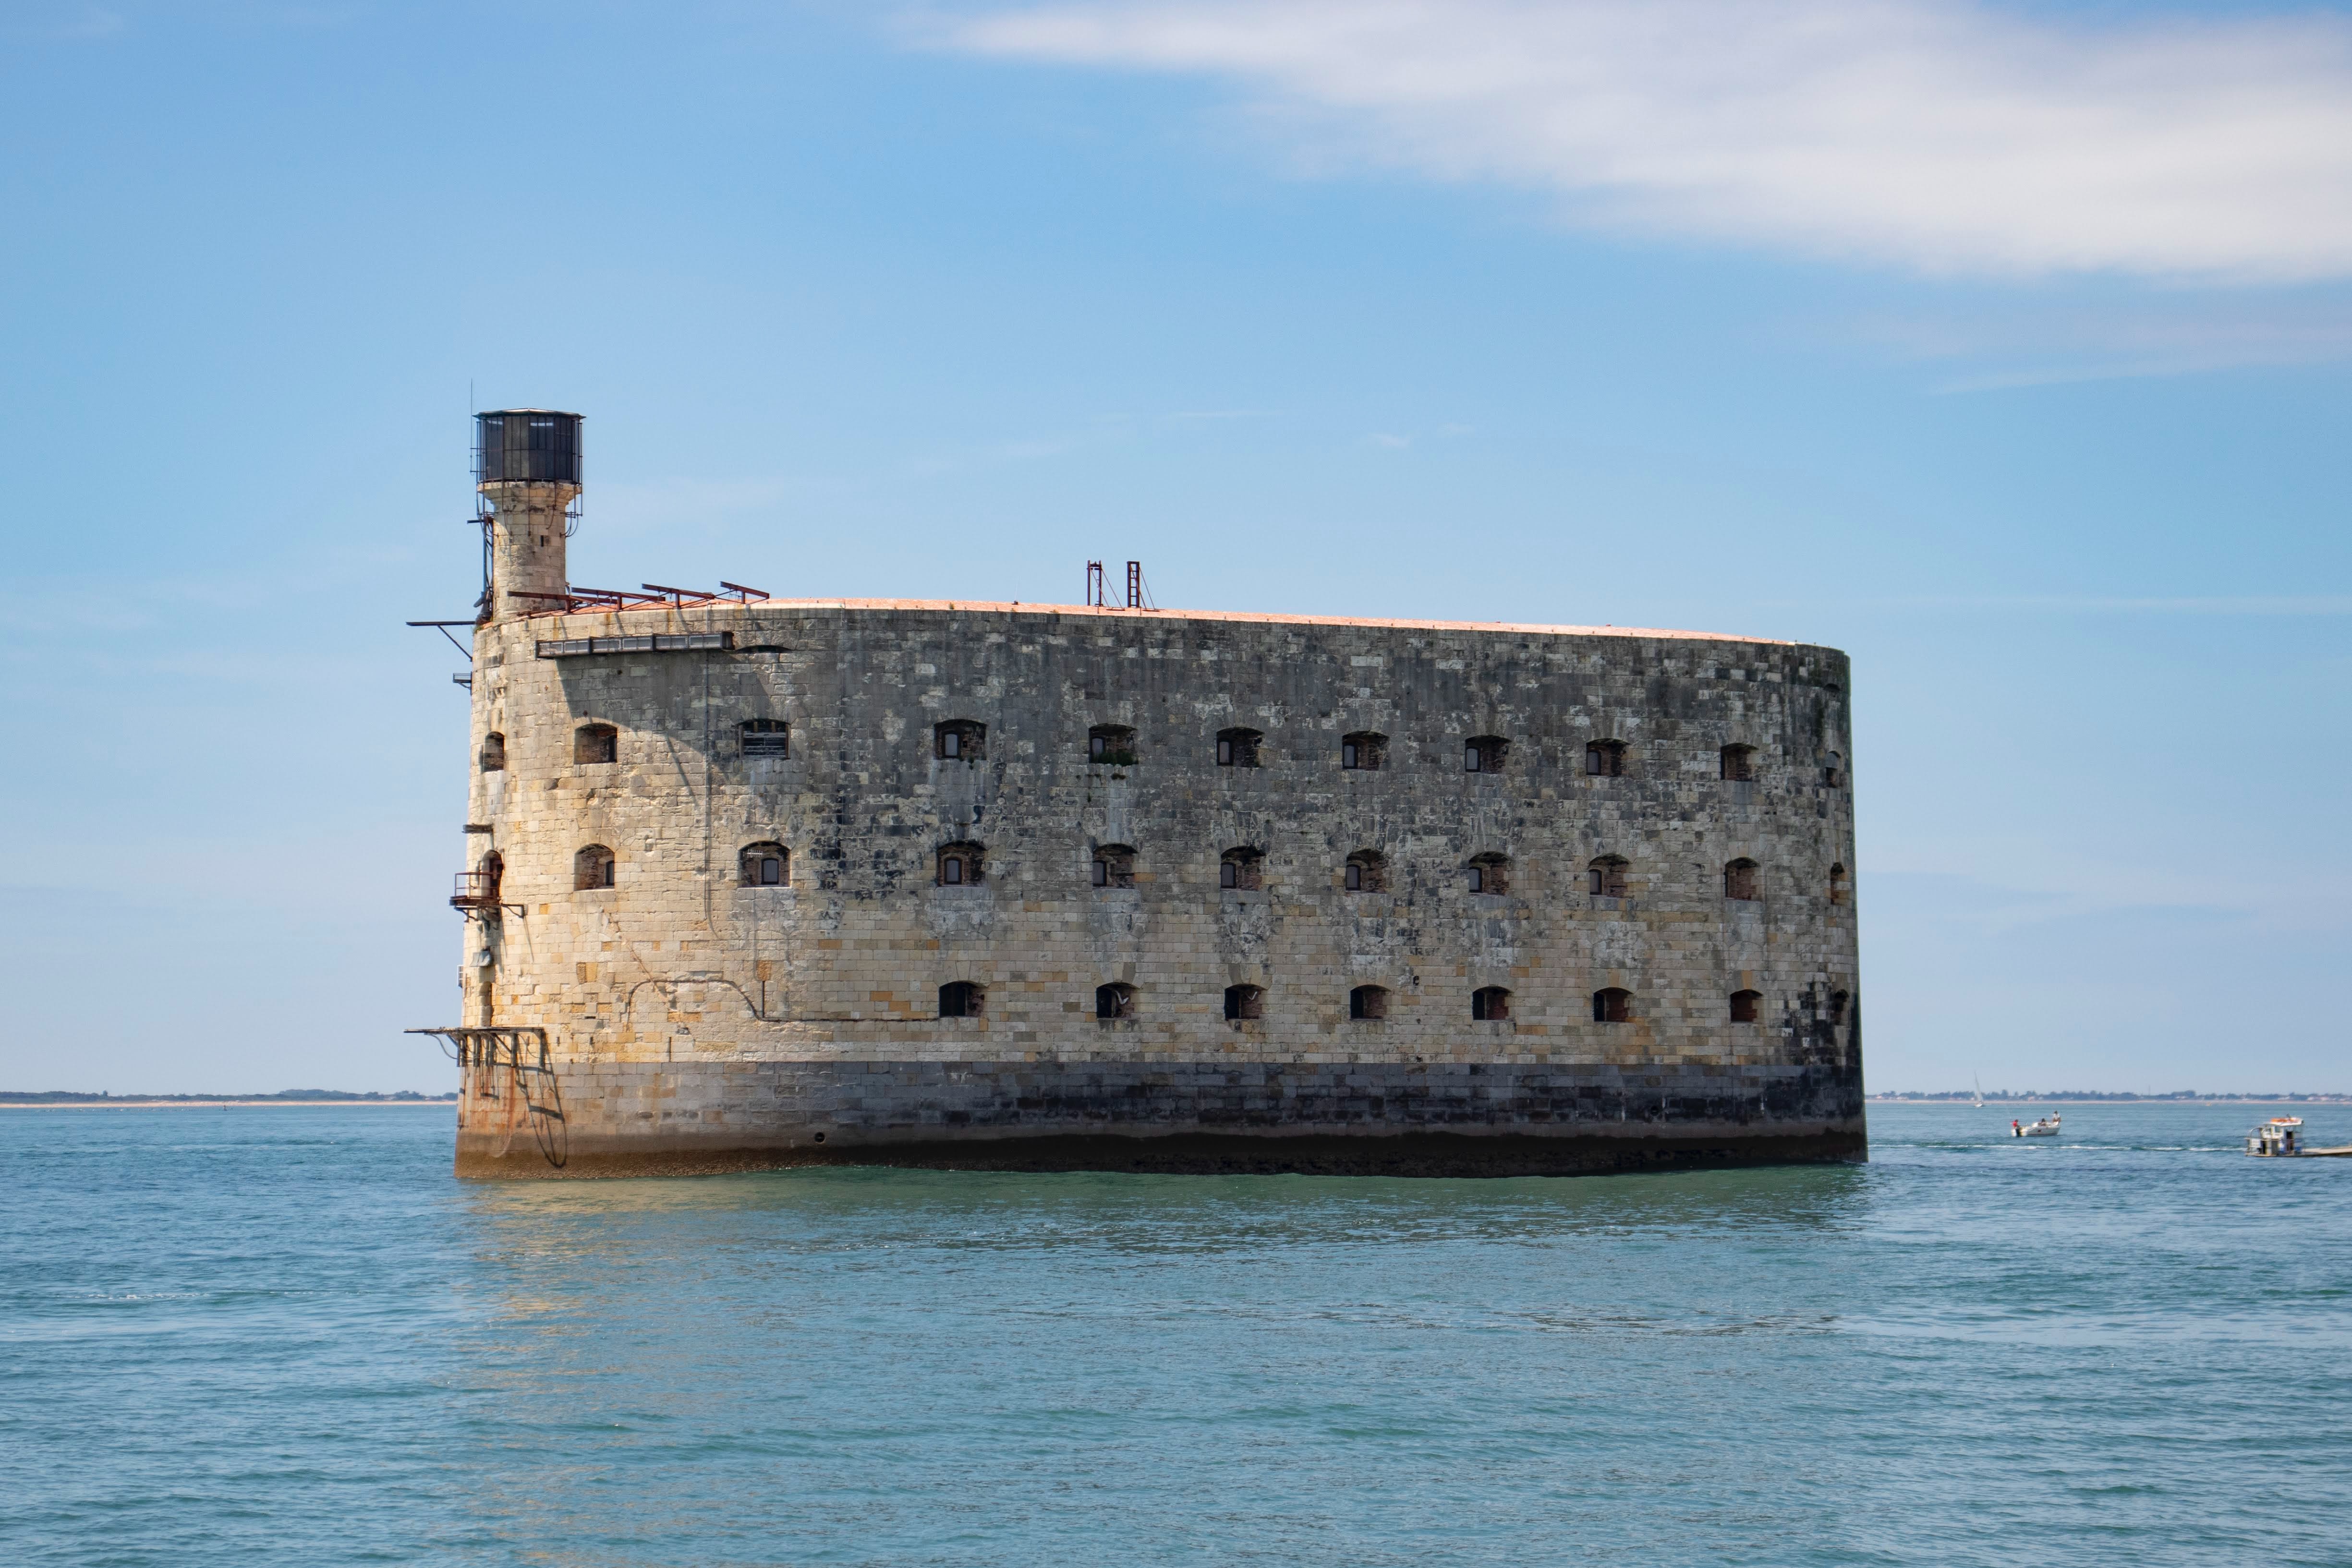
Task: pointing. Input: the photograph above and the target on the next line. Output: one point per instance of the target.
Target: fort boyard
(753, 881)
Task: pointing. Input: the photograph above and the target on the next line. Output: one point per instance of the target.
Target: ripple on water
(287, 1335)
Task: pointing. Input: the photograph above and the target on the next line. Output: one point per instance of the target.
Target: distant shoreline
(132, 1103)
(1992, 1101)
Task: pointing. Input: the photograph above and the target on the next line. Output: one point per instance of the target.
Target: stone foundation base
(1439, 1119)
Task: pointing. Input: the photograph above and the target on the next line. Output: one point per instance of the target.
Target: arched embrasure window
(1244, 1002)
(1612, 1004)
(767, 737)
(1112, 745)
(1605, 877)
(1364, 749)
(1840, 884)
(1368, 1002)
(1367, 871)
(766, 864)
(1238, 748)
(1242, 868)
(1115, 1001)
(960, 864)
(1605, 759)
(1745, 1006)
(1484, 754)
(494, 753)
(595, 743)
(1490, 874)
(1739, 764)
(1490, 1004)
(961, 999)
(960, 740)
(1833, 770)
(1739, 880)
(592, 867)
(1114, 866)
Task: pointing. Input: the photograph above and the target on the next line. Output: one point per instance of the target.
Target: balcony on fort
(476, 889)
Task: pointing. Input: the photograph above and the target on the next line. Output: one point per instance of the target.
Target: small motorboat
(2045, 1128)
(2281, 1137)
(2276, 1138)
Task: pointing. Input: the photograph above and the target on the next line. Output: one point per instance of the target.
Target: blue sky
(2004, 347)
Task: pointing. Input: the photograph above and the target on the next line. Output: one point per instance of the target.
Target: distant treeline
(66, 1097)
(1992, 1094)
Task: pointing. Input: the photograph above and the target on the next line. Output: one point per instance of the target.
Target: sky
(2008, 348)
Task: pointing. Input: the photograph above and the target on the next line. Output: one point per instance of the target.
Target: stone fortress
(759, 881)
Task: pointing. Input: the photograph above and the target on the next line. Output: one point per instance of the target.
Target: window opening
(960, 740)
(958, 865)
(1613, 1004)
(1112, 745)
(961, 999)
(1115, 1001)
(767, 737)
(1490, 1004)
(1837, 884)
(1606, 877)
(1605, 759)
(1367, 871)
(1739, 764)
(1490, 874)
(1237, 747)
(1244, 1002)
(1114, 866)
(1239, 869)
(1484, 754)
(1739, 880)
(592, 867)
(766, 864)
(1364, 749)
(494, 753)
(595, 743)
(1368, 1002)
(1745, 1006)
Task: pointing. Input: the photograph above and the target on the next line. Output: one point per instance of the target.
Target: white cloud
(2029, 342)
(1943, 137)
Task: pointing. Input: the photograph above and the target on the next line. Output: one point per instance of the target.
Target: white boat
(2281, 1136)
(2045, 1128)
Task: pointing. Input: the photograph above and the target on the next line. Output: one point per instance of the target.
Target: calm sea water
(287, 1336)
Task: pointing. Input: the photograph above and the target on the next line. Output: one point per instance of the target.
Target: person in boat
(2014, 1125)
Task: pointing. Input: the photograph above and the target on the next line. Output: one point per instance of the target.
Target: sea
(286, 1334)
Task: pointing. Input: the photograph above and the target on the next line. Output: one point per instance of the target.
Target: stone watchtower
(526, 475)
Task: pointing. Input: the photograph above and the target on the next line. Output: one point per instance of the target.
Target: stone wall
(680, 971)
